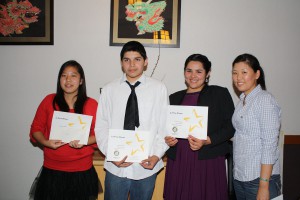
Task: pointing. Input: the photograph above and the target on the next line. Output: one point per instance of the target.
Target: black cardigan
(219, 127)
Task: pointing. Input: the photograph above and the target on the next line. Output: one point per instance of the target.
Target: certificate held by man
(187, 120)
(70, 126)
(133, 144)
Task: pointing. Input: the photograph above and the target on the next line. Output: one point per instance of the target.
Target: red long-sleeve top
(65, 158)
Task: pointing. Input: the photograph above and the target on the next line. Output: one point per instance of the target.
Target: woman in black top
(196, 168)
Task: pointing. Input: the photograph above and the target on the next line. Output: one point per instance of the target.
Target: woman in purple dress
(196, 168)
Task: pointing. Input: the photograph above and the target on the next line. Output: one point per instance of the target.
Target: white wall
(221, 30)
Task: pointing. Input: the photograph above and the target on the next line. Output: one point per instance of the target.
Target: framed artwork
(154, 23)
(26, 22)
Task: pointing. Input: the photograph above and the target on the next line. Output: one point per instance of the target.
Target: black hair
(133, 46)
(252, 62)
(59, 98)
(200, 58)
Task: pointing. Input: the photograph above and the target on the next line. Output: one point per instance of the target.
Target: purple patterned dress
(188, 178)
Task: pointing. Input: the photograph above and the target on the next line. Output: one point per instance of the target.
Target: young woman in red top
(68, 171)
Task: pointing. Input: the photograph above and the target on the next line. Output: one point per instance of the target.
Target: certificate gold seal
(174, 129)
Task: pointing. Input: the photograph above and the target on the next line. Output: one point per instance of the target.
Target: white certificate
(187, 120)
(136, 145)
(70, 126)
(278, 198)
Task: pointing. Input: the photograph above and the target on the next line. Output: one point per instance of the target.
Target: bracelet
(264, 179)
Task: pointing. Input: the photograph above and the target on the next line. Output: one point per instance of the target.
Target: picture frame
(36, 25)
(136, 20)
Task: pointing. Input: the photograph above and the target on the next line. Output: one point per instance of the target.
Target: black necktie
(132, 111)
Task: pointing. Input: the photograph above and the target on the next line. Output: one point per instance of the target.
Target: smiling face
(244, 77)
(195, 76)
(70, 80)
(133, 65)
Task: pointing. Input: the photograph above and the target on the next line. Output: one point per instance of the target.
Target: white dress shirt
(152, 103)
(257, 125)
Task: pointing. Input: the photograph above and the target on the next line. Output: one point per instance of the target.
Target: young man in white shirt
(125, 179)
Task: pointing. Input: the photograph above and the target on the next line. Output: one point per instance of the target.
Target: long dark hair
(252, 62)
(59, 98)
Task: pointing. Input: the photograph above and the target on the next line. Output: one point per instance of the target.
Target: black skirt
(60, 185)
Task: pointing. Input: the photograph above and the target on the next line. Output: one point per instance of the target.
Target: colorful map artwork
(146, 15)
(16, 16)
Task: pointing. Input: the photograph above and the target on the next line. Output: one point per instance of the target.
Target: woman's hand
(53, 144)
(150, 162)
(263, 188)
(122, 163)
(263, 192)
(171, 141)
(196, 144)
(74, 144)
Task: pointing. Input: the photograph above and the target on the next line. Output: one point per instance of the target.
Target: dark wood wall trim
(292, 139)
(291, 166)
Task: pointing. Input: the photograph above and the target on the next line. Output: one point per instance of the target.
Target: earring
(206, 80)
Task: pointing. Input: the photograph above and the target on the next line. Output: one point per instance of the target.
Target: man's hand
(150, 162)
(122, 163)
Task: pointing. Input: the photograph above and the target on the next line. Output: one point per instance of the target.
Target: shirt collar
(252, 94)
(142, 79)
